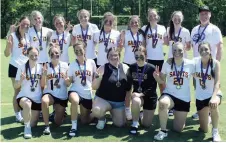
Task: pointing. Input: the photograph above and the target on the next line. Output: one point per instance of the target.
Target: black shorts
(200, 104)
(179, 105)
(95, 60)
(86, 103)
(34, 105)
(12, 71)
(150, 103)
(63, 103)
(156, 63)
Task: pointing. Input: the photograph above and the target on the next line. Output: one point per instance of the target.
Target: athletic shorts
(63, 103)
(156, 63)
(179, 105)
(150, 103)
(34, 105)
(200, 104)
(86, 103)
(12, 70)
(114, 105)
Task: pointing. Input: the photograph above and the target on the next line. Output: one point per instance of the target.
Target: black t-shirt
(108, 89)
(148, 83)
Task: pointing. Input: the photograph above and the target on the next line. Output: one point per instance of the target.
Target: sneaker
(134, 130)
(170, 113)
(46, 131)
(19, 119)
(160, 136)
(73, 132)
(195, 116)
(27, 132)
(216, 136)
(141, 115)
(128, 115)
(101, 123)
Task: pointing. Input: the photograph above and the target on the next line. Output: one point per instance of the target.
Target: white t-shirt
(171, 80)
(18, 57)
(212, 35)
(74, 72)
(43, 54)
(202, 94)
(90, 49)
(184, 37)
(52, 76)
(64, 57)
(26, 83)
(157, 52)
(112, 42)
(130, 46)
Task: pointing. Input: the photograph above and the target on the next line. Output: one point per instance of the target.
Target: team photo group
(100, 79)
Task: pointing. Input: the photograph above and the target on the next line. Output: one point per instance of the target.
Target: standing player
(106, 37)
(156, 37)
(144, 90)
(29, 79)
(207, 32)
(81, 74)
(84, 32)
(56, 91)
(17, 45)
(176, 74)
(131, 39)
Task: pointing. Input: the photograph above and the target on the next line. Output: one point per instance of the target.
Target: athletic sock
(135, 124)
(74, 124)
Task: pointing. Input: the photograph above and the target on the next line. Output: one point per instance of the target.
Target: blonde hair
(53, 46)
(58, 16)
(155, 10)
(179, 13)
(132, 17)
(82, 10)
(34, 14)
(106, 14)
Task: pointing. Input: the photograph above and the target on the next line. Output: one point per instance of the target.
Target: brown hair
(58, 16)
(141, 49)
(82, 10)
(114, 49)
(18, 35)
(53, 46)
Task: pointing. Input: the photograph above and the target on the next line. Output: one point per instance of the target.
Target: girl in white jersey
(39, 35)
(207, 76)
(81, 74)
(61, 37)
(156, 36)
(29, 79)
(84, 32)
(16, 46)
(177, 33)
(56, 91)
(176, 74)
(106, 37)
(131, 39)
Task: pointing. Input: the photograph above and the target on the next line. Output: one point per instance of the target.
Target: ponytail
(211, 65)
(146, 29)
(171, 29)
(172, 63)
(18, 35)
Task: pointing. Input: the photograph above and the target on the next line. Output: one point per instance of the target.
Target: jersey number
(36, 83)
(175, 82)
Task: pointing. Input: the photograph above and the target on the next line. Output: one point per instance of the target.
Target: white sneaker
(216, 136)
(47, 131)
(128, 114)
(160, 136)
(195, 116)
(27, 132)
(19, 119)
(170, 113)
(100, 125)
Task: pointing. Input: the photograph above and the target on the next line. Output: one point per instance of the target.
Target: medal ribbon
(58, 77)
(83, 73)
(176, 38)
(84, 36)
(140, 77)
(200, 35)
(155, 36)
(204, 76)
(136, 42)
(106, 41)
(61, 42)
(32, 80)
(178, 74)
(39, 39)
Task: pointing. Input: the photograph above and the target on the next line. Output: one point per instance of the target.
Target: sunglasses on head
(141, 57)
(106, 21)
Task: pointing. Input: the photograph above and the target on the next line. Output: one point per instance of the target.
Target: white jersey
(157, 52)
(202, 94)
(130, 46)
(35, 39)
(112, 42)
(18, 57)
(77, 32)
(171, 80)
(52, 76)
(25, 91)
(212, 35)
(184, 37)
(64, 57)
(74, 72)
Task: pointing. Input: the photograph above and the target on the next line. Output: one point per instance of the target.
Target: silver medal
(32, 89)
(139, 89)
(178, 87)
(83, 82)
(118, 84)
(40, 48)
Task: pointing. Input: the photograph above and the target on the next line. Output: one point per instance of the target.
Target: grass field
(13, 132)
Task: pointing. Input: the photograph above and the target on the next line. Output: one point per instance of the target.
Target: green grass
(13, 132)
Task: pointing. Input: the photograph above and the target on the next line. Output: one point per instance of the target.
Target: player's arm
(9, 46)
(98, 78)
